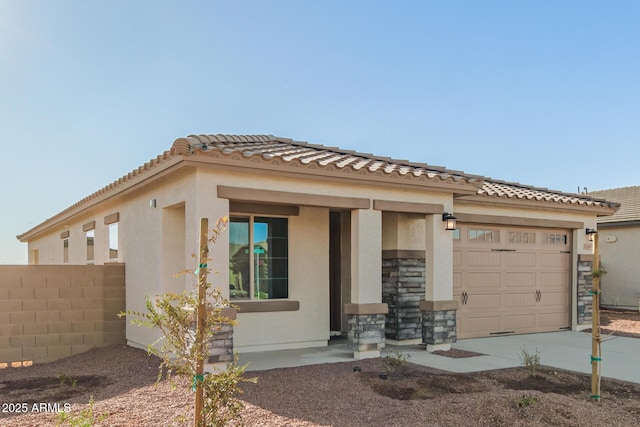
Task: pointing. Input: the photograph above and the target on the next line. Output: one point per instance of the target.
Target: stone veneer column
(439, 308)
(438, 324)
(220, 346)
(403, 287)
(366, 329)
(366, 312)
(585, 284)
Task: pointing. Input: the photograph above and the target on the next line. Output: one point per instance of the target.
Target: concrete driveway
(565, 350)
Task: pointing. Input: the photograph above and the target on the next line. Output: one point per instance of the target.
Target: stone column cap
(446, 305)
(370, 308)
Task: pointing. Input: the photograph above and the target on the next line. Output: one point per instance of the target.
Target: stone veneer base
(439, 327)
(366, 333)
(403, 287)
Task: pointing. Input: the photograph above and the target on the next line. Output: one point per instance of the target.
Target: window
(90, 252)
(489, 236)
(554, 239)
(113, 240)
(65, 251)
(258, 257)
(522, 237)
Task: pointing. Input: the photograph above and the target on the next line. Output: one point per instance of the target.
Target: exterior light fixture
(450, 220)
(590, 232)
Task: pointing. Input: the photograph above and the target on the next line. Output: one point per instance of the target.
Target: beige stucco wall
(157, 242)
(619, 252)
(404, 231)
(308, 284)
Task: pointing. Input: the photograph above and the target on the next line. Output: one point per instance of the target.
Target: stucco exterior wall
(157, 242)
(619, 249)
(308, 284)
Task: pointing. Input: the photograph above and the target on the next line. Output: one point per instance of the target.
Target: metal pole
(202, 296)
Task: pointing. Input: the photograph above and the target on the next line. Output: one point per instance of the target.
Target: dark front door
(335, 256)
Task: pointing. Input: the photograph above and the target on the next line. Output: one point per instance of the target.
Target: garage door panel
(484, 301)
(481, 324)
(557, 320)
(519, 259)
(521, 283)
(554, 280)
(525, 279)
(527, 299)
(457, 258)
(555, 260)
(481, 259)
(554, 299)
(514, 322)
(482, 280)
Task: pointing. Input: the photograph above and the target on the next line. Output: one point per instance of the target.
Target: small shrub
(599, 273)
(84, 418)
(395, 360)
(531, 361)
(181, 345)
(64, 379)
(525, 401)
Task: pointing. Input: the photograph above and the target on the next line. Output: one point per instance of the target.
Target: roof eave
(453, 184)
(540, 204)
(120, 187)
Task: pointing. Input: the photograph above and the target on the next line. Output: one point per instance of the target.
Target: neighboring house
(325, 241)
(619, 247)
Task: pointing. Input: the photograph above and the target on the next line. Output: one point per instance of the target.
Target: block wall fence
(48, 312)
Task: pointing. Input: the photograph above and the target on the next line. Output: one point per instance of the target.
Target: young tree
(188, 321)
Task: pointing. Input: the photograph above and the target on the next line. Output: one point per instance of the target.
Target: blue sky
(539, 92)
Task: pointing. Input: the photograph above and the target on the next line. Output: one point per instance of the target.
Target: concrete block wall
(48, 312)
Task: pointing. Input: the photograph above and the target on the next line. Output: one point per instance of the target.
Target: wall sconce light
(590, 232)
(450, 220)
(152, 203)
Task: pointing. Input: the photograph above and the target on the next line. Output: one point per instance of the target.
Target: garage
(511, 280)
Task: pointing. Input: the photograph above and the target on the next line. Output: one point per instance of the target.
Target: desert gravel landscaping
(122, 382)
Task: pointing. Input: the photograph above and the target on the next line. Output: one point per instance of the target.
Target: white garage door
(511, 280)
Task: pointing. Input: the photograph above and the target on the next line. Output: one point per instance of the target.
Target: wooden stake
(596, 354)
(202, 296)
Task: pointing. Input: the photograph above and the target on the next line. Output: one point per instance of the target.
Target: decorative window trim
(65, 234)
(266, 306)
(89, 226)
(110, 219)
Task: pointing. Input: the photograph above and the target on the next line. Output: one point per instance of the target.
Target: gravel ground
(122, 382)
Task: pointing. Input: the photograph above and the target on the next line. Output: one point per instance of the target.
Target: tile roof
(628, 197)
(269, 147)
(279, 151)
(512, 190)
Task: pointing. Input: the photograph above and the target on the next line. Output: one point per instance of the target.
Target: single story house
(619, 247)
(325, 241)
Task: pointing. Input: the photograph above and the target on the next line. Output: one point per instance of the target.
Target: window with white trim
(65, 251)
(90, 246)
(258, 257)
(113, 240)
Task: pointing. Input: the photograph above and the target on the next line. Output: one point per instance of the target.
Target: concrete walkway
(565, 350)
